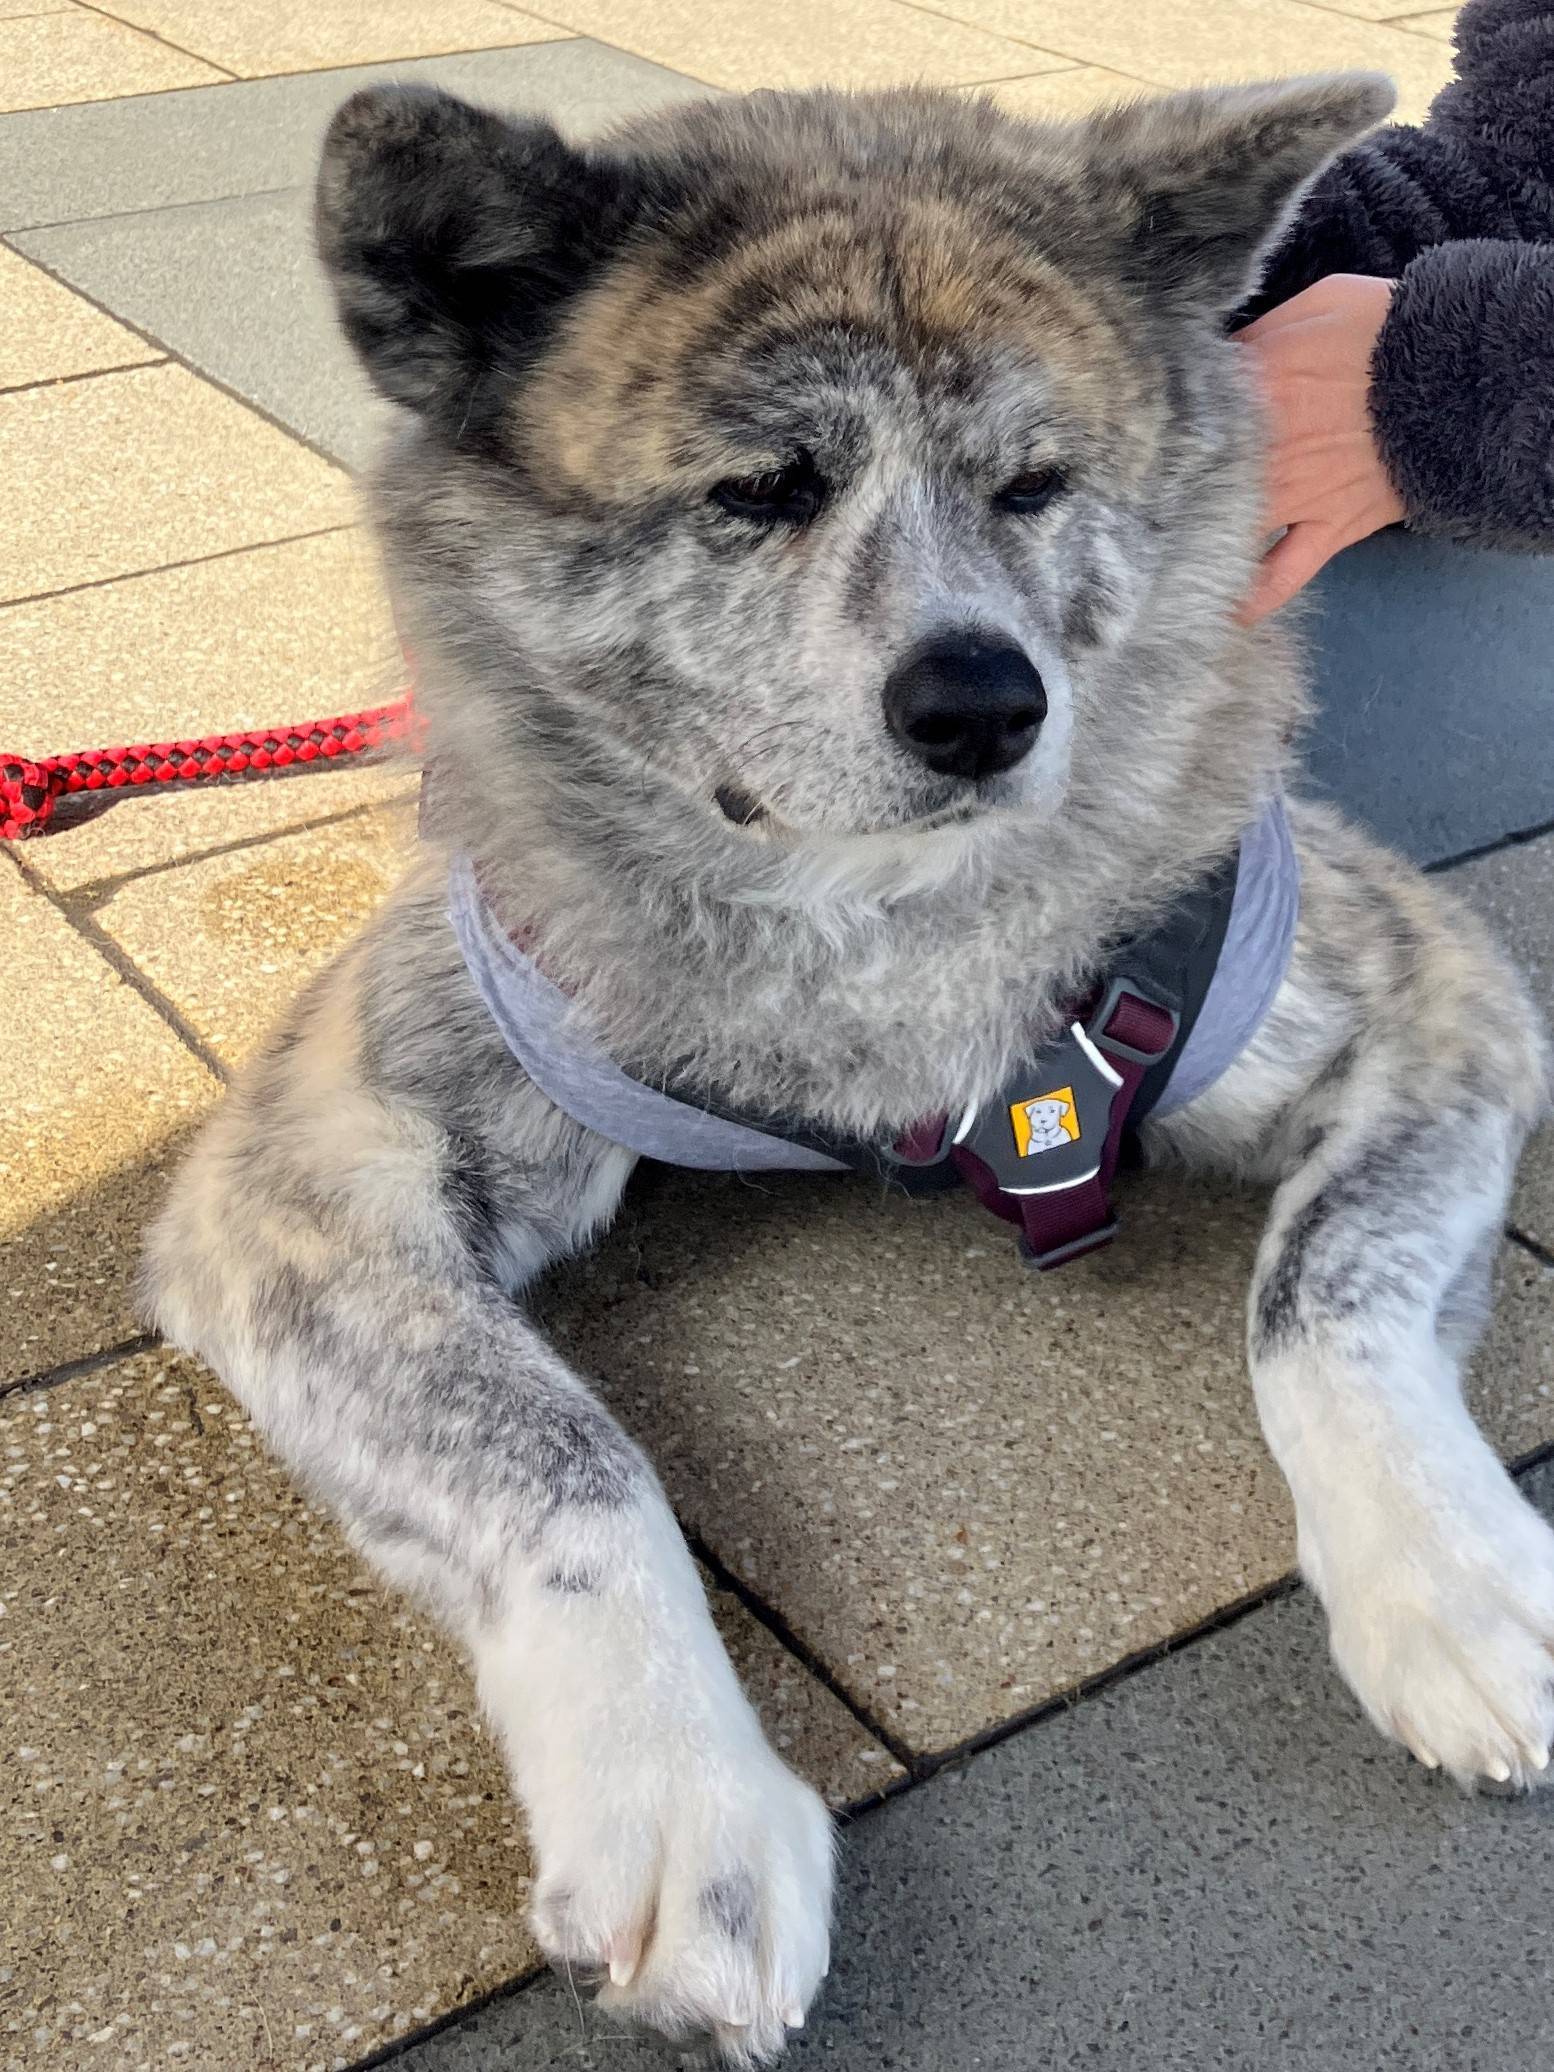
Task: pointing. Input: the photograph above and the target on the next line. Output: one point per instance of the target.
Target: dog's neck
(860, 983)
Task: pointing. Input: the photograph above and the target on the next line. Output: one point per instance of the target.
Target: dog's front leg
(1371, 1281)
(321, 1251)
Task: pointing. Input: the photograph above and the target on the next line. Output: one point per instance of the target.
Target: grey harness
(1180, 1006)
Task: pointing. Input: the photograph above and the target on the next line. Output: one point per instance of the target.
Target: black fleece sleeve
(1461, 213)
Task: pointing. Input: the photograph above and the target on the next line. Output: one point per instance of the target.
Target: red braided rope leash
(29, 791)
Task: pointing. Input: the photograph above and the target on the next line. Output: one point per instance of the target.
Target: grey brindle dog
(705, 433)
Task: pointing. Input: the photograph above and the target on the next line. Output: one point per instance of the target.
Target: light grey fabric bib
(572, 1069)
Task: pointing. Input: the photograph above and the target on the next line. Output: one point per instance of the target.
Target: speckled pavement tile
(1216, 1866)
(251, 1815)
(1514, 892)
(231, 937)
(310, 35)
(178, 274)
(1442, 23)
(131, 471)
(964, 1486)
(806, 42)
(96, 1094)
(1064, 96)
(1176, 44)
(50, 59)
(282, 633)
(158, 150)
(50, 334)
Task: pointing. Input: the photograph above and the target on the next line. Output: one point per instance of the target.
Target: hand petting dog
(1327, 484)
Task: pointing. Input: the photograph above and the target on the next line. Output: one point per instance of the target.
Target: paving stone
(1065, 96)
(231, 936)
(308, 35)
(1412, 640)
(290, 632)
(1213, 1867)
(1514, 891)
(158, 150)
(1442, 24)
(803, 43)
(50, 334)
(251, 1815)
(47, 60)
(96, 1096)
(131, 471)
(966, 1487)
(179, 274)
(1176, 45)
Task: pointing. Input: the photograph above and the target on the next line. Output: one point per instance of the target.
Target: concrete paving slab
(132, 471)
(302, 35)
(97, 1095)
(180, 274)
(292, 631)
(1435, 680)
(51, 60)
(231, 937)
(1215, 1866)
(155, 151)
(1176, 45)
(249, 1815)
(51, 335)
(860, 43)
(965, 1487)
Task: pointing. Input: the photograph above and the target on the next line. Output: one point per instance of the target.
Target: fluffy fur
(920, 301)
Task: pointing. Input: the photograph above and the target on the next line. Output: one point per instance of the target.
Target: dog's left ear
(1208, 181)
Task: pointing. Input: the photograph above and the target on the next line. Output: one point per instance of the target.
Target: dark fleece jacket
(1461, 212)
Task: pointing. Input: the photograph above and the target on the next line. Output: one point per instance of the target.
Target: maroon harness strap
(1064, 1221)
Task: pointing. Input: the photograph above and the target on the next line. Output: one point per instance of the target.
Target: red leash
(30, 790)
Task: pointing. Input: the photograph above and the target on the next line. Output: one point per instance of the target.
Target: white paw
(695, 1882)
(1442, 1618)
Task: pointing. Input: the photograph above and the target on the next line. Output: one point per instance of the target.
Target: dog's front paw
(695, 1880)
(1442, 1619)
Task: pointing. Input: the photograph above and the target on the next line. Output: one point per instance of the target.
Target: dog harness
(1176, 1007)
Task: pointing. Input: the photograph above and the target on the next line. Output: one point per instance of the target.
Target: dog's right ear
(452, 238)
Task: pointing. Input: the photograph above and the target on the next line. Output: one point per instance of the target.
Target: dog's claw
(794, 2018)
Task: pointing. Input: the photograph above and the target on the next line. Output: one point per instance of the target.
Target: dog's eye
(1031, 492)
(789, 495)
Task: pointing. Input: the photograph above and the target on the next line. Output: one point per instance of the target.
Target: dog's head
(805, 465)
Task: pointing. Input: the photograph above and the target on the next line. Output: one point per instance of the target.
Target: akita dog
(818, 524)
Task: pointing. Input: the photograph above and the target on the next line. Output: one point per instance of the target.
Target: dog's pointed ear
(1209, 180)
(453, 238)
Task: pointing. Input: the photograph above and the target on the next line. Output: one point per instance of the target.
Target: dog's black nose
(965, 706)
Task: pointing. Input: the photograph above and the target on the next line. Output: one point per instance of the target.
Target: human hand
(1326, 481)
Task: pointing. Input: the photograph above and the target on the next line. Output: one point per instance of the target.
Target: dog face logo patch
(1045, 1123)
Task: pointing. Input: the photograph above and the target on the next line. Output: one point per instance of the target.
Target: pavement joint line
(56, 381)
(155, 208)
(1529, 1243)
(88, 928)
(1514, 839)
(172, 354)
(72, 1370)
(790, 1642)
(411, 57)
(162, 568)
(152, 36)
(1287, 1585)
(570, 35)
(1066, 58)
(95, 891)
